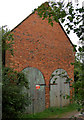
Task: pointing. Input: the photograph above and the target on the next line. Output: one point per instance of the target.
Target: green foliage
(55, 12)
(52, 111)
(79, 83)
(52, 75)
(65, 13)
(7, 42)
(66, 96)
(68, 80)
(14, 99)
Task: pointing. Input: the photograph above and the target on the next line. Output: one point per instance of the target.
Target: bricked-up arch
(59, 88)
(37, 96)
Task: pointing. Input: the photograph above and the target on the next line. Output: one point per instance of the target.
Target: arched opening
(59, 88)
(36, 89)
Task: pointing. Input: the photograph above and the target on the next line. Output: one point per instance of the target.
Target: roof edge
(58, 22)
(29, 16)
(67, 36)
(22, 22)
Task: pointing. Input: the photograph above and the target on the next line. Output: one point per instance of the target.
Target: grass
(52, 111)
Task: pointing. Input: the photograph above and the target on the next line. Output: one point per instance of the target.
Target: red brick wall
(39, 45)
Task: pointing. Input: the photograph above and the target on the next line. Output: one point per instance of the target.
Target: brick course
(39, 45)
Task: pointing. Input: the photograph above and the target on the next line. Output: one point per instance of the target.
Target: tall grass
(52, 111)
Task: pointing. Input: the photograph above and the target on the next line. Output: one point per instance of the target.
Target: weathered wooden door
(59, 91)
(37, 95)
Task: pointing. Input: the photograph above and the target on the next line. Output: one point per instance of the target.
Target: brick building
(40, 50)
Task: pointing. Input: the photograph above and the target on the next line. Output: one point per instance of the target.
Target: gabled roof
(59, 24)
(66, 35)
(28, 16)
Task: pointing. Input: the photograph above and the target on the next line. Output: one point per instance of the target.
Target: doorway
(36, 89)
(59, 89)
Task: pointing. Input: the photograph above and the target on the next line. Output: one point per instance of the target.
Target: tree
(7, 42)
(14, 97)
(79, 83)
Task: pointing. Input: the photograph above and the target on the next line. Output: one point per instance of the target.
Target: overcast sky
(12, 12)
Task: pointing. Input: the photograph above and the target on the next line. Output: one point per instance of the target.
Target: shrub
(14, 99)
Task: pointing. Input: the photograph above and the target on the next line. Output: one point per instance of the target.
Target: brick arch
(37, 68)
(58, 69)
(68, 69)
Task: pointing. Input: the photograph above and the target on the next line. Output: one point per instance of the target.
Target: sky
(12, 12)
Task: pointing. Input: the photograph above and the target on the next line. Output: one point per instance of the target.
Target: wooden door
(37, 96)
(60, 90)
